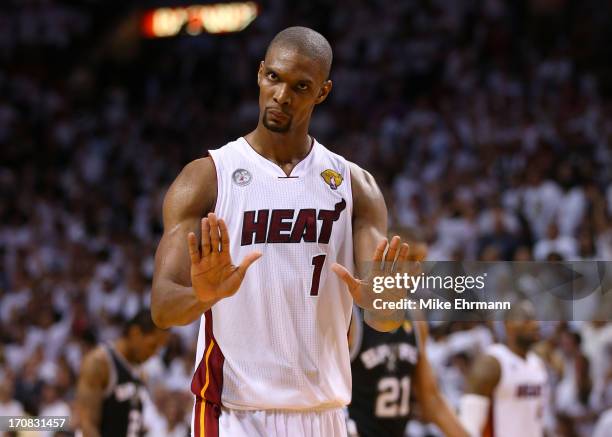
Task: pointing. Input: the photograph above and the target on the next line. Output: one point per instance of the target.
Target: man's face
(290, 85)
(145, 345)
(524, 325)
(528, 333)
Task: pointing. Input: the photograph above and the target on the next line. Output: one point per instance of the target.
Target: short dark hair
(306, 41)
(143, 320)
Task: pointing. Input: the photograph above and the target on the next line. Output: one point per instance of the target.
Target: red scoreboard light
(197, 19)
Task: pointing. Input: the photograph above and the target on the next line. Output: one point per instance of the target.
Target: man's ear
(260, 73)
(324, 91)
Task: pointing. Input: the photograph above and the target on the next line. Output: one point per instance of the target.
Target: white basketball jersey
(517, 406)
(281, 341)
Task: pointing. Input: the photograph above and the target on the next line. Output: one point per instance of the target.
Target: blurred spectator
(554, 243)
(51, 404)
(9, 406)
(574, 389)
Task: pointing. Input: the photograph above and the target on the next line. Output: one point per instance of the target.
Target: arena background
(488, 125)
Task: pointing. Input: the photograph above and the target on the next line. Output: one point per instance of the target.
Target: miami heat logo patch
(242, 177)
(332, 178)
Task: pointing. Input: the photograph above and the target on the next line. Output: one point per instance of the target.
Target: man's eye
(302, 87)
(272, 76)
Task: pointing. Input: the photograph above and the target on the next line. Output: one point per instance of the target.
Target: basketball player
(273, 358)
(382, 368)
(110, 394)
(506, 393)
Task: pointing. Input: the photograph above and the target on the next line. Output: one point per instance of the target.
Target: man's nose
(282, 94)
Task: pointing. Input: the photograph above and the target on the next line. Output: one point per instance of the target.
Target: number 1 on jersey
(317, 262)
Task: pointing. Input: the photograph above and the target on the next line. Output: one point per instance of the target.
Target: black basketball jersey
(122, 406)
(382, 367)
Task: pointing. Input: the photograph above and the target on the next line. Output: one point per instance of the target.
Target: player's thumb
(345, 275)
(247, 261)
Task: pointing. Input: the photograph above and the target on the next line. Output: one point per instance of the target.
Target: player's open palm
(399, 258)
(213, 275)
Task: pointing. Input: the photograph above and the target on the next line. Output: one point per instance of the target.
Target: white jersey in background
(281, 341)
(518, 402)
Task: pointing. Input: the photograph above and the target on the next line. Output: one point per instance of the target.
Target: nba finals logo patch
(332, 178)
(242, 177)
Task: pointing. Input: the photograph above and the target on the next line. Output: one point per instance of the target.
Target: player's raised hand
(399, 258)
(213, 276)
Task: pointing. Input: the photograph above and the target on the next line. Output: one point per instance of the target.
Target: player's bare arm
(370, 244)
(190, 196)
(433, 405)
(93, 378)
(484, 376)
(191, 275)
(482, 380)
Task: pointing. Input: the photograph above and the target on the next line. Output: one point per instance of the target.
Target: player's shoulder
(198, 169)
(365, 190)
(95, 366)
(484, 375)
(538, 361)
(360, 178)
(231, 151)
(194, 189)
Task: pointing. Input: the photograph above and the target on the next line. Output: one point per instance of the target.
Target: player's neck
(281, 148)
(122, 347)
(518, 350)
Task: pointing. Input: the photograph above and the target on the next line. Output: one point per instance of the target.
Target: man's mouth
(279, 115)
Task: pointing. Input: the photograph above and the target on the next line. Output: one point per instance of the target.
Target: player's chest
(525, 383)
(251, 188)
(273, 209)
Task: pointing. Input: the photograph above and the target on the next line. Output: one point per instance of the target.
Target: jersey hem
(230, 406)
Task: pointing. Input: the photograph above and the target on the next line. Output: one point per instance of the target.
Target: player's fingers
(205, 237)
(393, 247)
(354, 285)
(234, 281)
(380, 250)
(346, 276)
(247, 261)
(420, 252)
(194, 253)
(404, 251)
(225, 242)
(214, 233)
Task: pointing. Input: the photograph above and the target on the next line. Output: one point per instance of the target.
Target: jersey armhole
(350, 187)
(210, 156)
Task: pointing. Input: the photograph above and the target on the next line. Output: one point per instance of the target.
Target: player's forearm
(435, 407)
(441, 413)
(173, 304)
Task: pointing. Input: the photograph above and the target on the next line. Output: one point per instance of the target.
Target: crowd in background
(487, 124)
